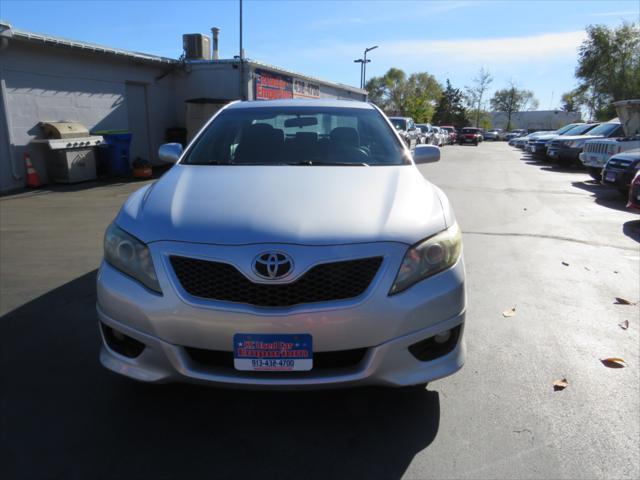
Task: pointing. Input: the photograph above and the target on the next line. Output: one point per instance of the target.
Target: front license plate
(610, 177)
(593, 158)
(273, 353)
(552, 153)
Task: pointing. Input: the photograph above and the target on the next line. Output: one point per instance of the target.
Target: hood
(535, 136)
(632, 155)
(547, 136)
(577, 137)
(629, 114)
(233, 205)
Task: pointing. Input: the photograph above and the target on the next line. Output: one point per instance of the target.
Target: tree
(450, 110)
(570, 102)
(421, 93)
(396, 94)
(608, 68)
(512, 99)
(475, 92)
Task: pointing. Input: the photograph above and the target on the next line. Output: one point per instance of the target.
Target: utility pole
(364, 66)
(361, 62)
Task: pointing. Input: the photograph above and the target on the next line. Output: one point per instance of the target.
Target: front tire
(595, 173)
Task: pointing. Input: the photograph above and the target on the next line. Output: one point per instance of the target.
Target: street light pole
(361, 62)
(364, 65)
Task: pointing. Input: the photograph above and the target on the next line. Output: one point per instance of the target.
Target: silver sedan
(294, 244)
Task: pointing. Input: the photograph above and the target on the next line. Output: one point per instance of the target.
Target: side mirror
(426, 154)
(170, 152)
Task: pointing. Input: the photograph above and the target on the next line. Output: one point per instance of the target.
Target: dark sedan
(621, 169)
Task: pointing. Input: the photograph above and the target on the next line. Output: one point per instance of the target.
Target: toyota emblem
(272, 265)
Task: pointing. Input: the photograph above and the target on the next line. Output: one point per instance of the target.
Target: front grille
(321, 360)
(596, 147)
(322, 283)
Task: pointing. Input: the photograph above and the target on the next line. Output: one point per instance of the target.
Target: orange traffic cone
(33, 179)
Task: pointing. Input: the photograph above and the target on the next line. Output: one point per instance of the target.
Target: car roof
(301, 103)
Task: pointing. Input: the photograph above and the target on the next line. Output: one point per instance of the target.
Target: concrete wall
(540, 120)
(45, 83)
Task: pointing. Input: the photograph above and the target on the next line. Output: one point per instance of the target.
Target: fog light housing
(121, 343)
(436, 346)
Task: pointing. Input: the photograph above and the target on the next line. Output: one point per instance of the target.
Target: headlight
(576, 143)
(130, 256)
(428, 257)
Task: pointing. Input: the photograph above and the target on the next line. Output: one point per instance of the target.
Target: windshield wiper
(331, 164)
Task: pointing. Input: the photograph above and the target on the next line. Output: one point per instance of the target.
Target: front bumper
(564, 153)
(593, 160)
(384, 326)
(620, 179)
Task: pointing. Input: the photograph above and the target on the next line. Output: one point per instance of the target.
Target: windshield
(580, 129)
(297, 136)
(566, 128)
(604, 129)
(469, 130)
(399, 123)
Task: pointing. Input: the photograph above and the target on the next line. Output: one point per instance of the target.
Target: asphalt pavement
(551, 243)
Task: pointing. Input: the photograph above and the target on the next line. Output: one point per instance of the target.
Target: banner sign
(304, 89)
(271, 86)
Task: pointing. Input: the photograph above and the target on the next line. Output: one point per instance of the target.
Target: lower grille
(321, 360)
(322, 283)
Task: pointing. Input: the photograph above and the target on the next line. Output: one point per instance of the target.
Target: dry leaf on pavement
(624, 325)
(613, 362)
(566, 264)
(560, 384)
(509, 313)
(623, 301)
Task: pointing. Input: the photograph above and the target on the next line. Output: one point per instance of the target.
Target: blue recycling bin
(113, 158)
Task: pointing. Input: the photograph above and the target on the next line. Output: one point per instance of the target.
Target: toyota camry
(294, 244)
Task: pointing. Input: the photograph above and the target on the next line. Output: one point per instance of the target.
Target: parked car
(596, 152)
(428, 133)
(439, 136)
(445, 136)
(453, 135)
(567, 150)
(470, 135)
(494, 135)
(267, 257)
(522, 142)
(537, 145)
(518, 132)
(621, 169)
(407, 130)
(634, 193)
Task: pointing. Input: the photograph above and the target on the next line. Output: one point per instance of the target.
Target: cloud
(490, 50)
(617, 14)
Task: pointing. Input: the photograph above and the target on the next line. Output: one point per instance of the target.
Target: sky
(532, 43)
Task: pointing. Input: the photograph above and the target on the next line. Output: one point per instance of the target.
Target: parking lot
(550, 242)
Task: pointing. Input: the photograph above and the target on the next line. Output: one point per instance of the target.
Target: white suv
(597, 152)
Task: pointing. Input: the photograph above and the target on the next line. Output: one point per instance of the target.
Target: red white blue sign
(273, 353)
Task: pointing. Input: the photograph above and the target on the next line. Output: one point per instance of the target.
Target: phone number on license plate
(266, 363)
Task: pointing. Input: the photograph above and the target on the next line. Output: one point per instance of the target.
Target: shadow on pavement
(632, 229)
(64, 416)
(605, 196)
(158, 171)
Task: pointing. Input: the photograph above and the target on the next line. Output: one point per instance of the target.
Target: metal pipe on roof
(215, 34)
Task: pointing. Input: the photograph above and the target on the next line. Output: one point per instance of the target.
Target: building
(535, 120)
(45, 78)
